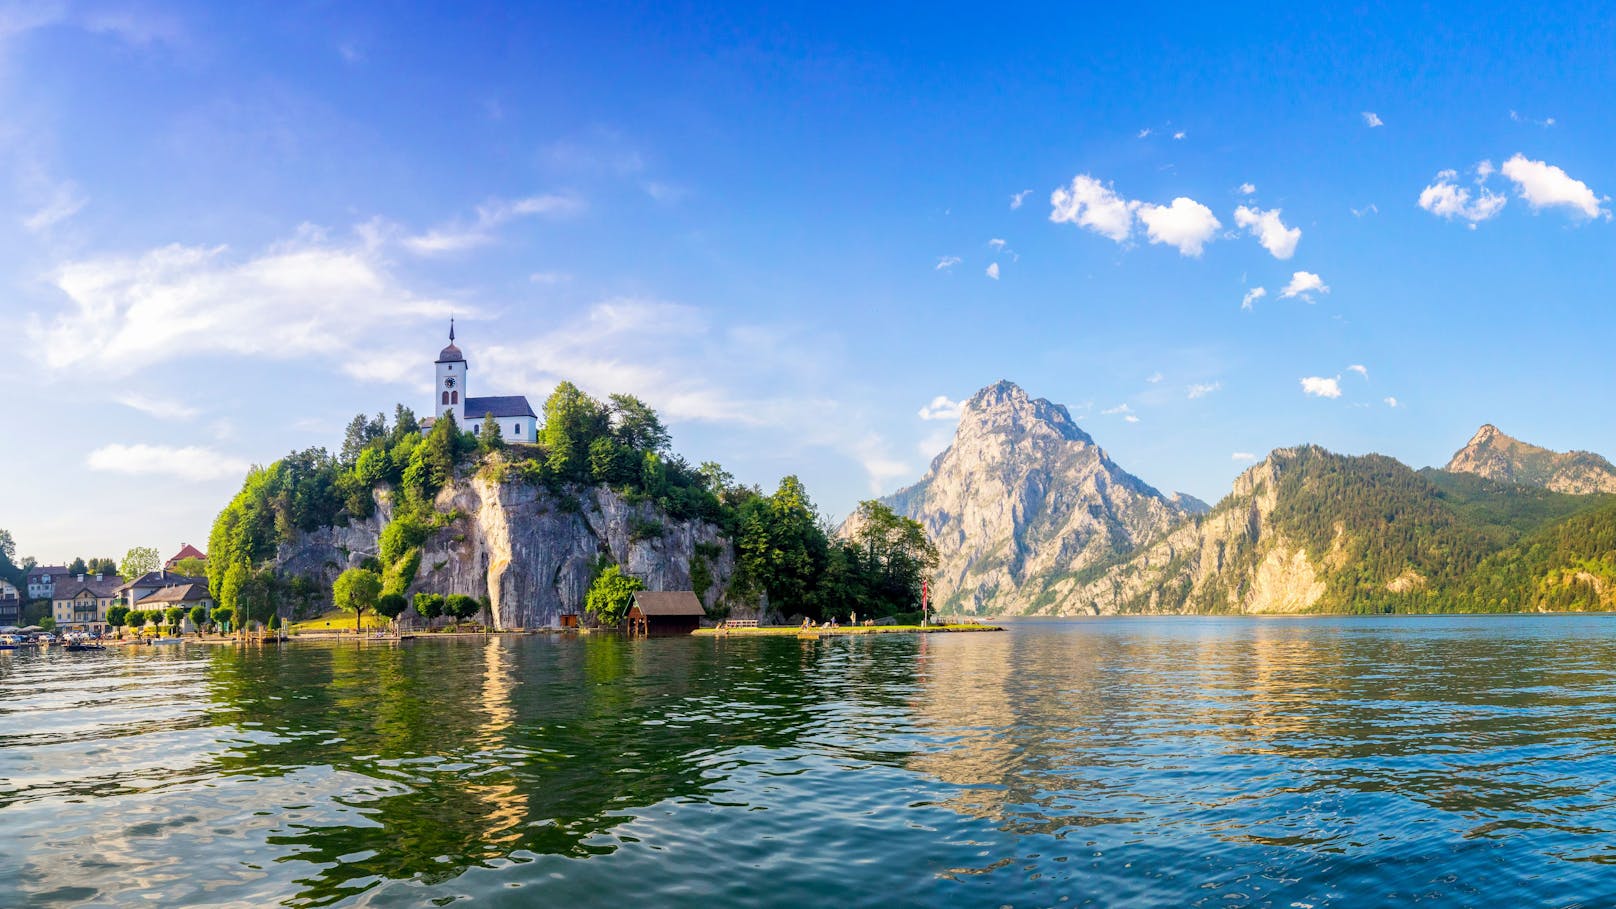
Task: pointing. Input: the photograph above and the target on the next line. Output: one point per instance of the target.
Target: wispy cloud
(1360, 369)
(65, 201)
(992, 270)
(461, 235)
(1390, 402)
(1120, 408)
(1018, 198)
(1516, 116)
(1372, 120)
(1252, 296)
(1247, 189)
(161, 408)
(944, 263)
(1445, 198)
(1242, 456)
(1202, 390)
(185, 463)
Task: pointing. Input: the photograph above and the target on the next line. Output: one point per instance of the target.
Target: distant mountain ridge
(1031, 516)
(1024, 496)
(1496, 456)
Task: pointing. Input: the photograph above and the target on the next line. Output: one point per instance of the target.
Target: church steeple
(451, 385)
(451, 329)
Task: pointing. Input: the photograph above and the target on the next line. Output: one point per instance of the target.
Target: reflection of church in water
(517, 422)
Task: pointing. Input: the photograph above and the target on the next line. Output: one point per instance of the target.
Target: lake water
(1114, 762)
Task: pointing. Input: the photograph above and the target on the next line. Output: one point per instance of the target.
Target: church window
(445, 397)
(516, 428)
(454, 397)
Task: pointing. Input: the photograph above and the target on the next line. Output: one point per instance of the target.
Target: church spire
(451, 329)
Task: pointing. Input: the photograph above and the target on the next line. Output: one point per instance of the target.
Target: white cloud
(1120, 408)
(304, 297)
(1369, 209)
(1304, 283)
(944, 263)
(188, 463)
(1269, 230)
(1252, 296)
(1202, 390)
(1543, 185)
(549, 277)
(1144, 133)
(992, 270)
(1242, 456)
(1360, 369)
(461, 235)
(161, 408)
(1322, 387)
(1179, 135)
(1090, 204)
(1130, 418)
(1154, 377)
(1446, 199)
(1391, 402)
(1185, 224)
(996, 243)
(1548, 121)
(64, 202)
(941, 407)
(1018, 198)
(1372, 120)
(1247, 189)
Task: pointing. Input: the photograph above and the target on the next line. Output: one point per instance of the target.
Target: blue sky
(226, 229)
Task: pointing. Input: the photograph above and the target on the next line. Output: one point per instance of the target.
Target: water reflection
(1133, 762)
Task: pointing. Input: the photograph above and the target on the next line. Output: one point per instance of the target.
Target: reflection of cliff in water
(534, 745)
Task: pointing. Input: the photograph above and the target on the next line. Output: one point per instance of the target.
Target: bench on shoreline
(740, 623)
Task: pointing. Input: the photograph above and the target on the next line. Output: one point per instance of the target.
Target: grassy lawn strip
(340, 621)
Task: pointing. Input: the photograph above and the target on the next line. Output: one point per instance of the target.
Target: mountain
(1496, 456)
(1022, 498)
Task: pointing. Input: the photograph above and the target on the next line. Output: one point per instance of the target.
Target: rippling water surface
(1175, 762)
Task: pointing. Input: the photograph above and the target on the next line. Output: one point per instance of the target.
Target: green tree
(391, 605)
(572, 422)
(429, 605)
(136, 619)
(404, 425)
(610, 596)
(8, 545)
(432, 462)
(138, 561)
(355, 591)
(174, 615)
(637, 426)
(117, 616)
(275, 624)
(77, 566)
(222, 616)
(489, 438)
(48, 623)
(199, 617)
(192, 567)
(461, 607)
(782, 547)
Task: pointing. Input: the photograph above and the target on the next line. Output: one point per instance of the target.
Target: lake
(1306, 762)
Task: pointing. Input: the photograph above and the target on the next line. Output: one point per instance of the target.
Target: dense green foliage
(138, 561)
(1567, 565)
(610, 596)
(199, 617)
(356, 590)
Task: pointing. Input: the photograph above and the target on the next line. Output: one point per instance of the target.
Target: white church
(517, 422)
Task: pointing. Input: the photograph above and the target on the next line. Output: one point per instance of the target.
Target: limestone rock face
(1024, 497)
(530, 550)
(1228, 560)
(1496, 456)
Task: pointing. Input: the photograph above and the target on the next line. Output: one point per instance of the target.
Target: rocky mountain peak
(1005, 408)
(1492, 454)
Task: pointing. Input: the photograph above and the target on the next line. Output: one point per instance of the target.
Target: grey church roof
(500, 406)
(450, 354)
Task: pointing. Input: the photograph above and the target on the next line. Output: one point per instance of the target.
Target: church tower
(451, 384)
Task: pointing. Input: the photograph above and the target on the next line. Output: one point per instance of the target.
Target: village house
(186, 552)
(42, 580)
(80, 603)
(514, 415)
(10, 605)
(186, 596)
(135, 592)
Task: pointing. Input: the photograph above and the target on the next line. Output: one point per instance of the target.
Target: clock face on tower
(449, 382)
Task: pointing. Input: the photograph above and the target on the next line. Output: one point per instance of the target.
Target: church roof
(450, 354)
(498, 405)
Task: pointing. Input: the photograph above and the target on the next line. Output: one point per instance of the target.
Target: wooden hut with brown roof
(665, 612)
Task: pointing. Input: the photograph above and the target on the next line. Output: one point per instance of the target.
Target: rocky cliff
(1496, 456)
(1022, 498)
(530, 550)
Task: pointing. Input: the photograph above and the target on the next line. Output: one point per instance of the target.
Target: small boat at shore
(168, 640)
(83, 647)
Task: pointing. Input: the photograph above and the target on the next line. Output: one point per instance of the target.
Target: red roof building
(186, 552)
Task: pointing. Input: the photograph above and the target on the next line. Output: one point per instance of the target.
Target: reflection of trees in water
(531, 745)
